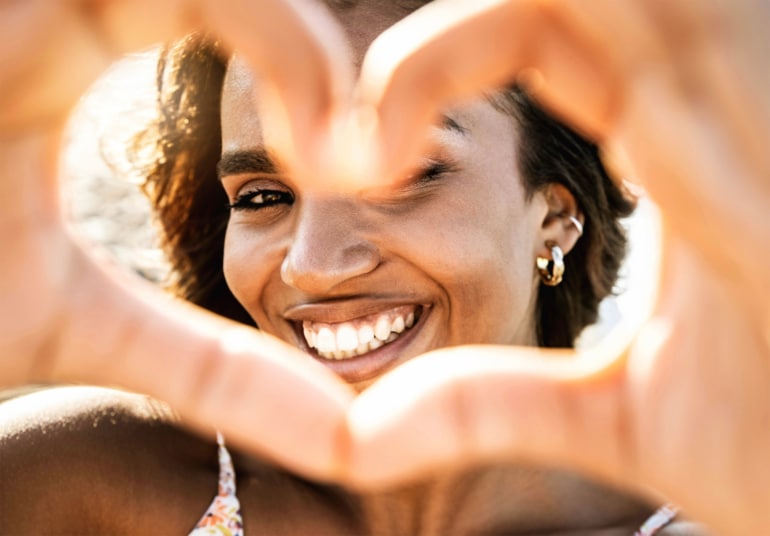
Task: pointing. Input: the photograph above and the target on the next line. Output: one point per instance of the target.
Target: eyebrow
(248, 161)
(450, 124)
(260, 161)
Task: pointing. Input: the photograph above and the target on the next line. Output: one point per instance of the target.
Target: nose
(329, 246)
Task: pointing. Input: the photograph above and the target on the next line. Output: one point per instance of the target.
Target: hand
(639, 77)
(637, 415)
(64, 316)
(683, 404)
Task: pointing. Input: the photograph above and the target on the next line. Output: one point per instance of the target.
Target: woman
(446, 258)
(366, 281)
(302, 296)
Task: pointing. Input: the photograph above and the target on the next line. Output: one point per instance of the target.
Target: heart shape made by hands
(680, 405)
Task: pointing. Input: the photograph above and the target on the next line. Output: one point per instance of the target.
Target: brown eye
(259, 199)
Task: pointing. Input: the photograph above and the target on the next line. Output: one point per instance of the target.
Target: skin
(340, 257)
(163, 478)
(679, 87)
(336, 256)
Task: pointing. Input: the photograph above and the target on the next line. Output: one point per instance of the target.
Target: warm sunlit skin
(680, 86)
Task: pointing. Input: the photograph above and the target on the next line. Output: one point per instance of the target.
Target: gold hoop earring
(551, 270)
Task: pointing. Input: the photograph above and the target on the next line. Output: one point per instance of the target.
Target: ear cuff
(577, 224)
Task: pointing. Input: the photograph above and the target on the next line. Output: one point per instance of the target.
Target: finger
(295, 46)
(721, 52)
(48, 56)
(479, 404)
(442, 52)
(52, 51)
(262, 394)
(65, 319)
(452, 50)
(693, 110)
(305, 69)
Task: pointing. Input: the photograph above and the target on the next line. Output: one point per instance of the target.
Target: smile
(344, 340)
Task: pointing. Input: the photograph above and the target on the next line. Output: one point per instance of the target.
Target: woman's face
(364, 281)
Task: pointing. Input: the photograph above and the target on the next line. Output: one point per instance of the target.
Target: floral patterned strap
(662, 517)
(223, 517)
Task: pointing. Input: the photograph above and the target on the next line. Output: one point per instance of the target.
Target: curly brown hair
(191, 205)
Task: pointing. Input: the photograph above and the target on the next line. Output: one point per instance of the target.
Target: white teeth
(326, 341)
(365, 334)
(382, 328)
(345, 340)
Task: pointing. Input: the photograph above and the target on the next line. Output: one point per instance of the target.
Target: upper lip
(342, 310)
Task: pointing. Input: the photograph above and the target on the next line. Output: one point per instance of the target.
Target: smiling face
(367, 280)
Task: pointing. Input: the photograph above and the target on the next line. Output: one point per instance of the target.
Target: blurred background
(101, 185)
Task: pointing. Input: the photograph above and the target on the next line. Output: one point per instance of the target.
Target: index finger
(52, 51)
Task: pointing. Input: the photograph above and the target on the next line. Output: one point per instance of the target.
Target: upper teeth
(349, 339)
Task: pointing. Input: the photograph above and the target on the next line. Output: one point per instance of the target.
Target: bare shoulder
(84, 459)
(58, 408)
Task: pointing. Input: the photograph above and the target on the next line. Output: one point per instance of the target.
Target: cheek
(494, 289)
(245, 266)
(481, 255)
(476, 231)
(233, 261)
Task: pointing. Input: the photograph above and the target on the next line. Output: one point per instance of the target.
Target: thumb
(262, 394)
(478, 404)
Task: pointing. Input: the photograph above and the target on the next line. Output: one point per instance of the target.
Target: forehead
(362, 21)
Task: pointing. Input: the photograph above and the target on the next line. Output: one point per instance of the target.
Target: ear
(563, 222)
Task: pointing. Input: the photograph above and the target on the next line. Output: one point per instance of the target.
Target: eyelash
(249, 200)
(269, 198)
(433, 171)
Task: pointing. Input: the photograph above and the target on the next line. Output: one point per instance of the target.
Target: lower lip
(375, 363)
